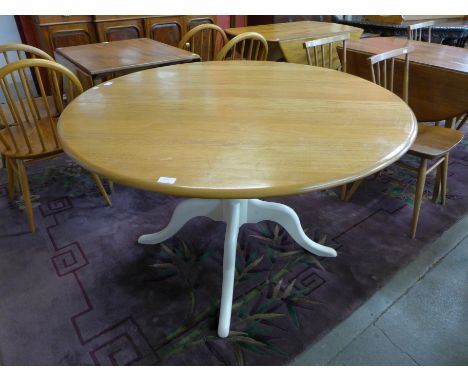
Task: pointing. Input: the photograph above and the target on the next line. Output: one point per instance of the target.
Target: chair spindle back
(33, 131)
(415, 30)
(379, 69)
(246, 46)
(322, 43)
(205, 40)
(15, 52)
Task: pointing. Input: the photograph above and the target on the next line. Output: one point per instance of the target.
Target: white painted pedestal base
(235, 212)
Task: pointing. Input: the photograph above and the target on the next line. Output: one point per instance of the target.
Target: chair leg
(344, 189)
(353, 189)
(444, 174)
(101, 188)
(450, 123)
(23, 179)
(437, 184)
(111, 186)
(462, 121)
(11, 178)
(418, 196)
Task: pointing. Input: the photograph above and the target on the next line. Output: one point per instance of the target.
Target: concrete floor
(419, 318)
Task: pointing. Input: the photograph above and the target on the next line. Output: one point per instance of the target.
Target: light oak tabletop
(294, 30)
(138, 53)
(442, 56)
(240, 129)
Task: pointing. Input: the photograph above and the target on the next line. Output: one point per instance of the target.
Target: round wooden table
(227, 133)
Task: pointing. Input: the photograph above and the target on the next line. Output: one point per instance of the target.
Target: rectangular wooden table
(94, 63)
(296, 33)
(438, 79)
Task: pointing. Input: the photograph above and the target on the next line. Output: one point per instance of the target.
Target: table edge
(177, 190)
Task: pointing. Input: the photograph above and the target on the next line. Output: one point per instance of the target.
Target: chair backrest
(33, 131)
(21, 52)
(325, 43)
(205, 40)
(15, 52)
(246, 46)
(379, 69)
(415, 30)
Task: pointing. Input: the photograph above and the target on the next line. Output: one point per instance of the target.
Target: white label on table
(163, 179)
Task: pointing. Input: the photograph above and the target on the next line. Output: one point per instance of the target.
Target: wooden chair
(326, 43)
(415, 30)
(432, 142)
(246, 46)
(33, 135)
(319, 59)
(194, 39)
(14, 52)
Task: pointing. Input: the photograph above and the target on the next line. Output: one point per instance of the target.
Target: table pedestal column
(235, 213)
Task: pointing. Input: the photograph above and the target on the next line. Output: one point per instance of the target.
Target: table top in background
(294, 30)
(442, 56)
(140, 53)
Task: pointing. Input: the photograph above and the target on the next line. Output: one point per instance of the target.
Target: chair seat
(37, 150)
(433, 141)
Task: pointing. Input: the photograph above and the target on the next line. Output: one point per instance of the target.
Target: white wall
(8, 30)
(8, 35)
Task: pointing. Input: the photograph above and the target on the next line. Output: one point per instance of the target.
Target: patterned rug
(81, 291)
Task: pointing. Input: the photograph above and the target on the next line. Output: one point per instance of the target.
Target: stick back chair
(415, 30)
(380, 70)
(246, 46)
(16, 52)
(33, 135)
(432, 142)
(194, 39)
(319, 57)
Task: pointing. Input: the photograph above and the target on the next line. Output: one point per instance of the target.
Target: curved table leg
(259, 210)
(185, 211)
(235, 212)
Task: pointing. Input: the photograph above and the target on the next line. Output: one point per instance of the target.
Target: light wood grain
(237, 129)
(438, 74)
